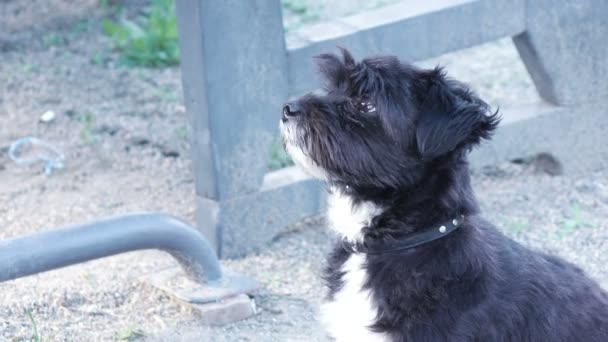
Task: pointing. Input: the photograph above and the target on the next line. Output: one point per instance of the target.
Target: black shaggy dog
(414, 261)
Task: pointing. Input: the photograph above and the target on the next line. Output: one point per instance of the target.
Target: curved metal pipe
(53, 249)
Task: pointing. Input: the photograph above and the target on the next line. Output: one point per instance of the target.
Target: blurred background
(99, 82)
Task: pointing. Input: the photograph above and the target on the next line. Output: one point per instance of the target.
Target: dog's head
(381, 122)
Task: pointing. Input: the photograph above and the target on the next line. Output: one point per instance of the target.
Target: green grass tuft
(35, 335)
(86, 132)
(53, 39)
(131, 334)
(518, 226)
(279, 158)
(304, 11)
(152, 42)
(575, 221)
(183, 133)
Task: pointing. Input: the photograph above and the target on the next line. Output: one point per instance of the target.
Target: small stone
(139, 141)
(167, 150)
(442, 229)
(547, 163)
(106, 129)
(494, 171)
(48, 116)
(585, 185)
(602, 193)
(274, 311)
(70, 113)
(170, 153)
(227, 311)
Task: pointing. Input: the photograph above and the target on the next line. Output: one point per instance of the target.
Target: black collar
(413, 240)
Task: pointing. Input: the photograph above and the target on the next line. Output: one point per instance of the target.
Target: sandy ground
(125, 136)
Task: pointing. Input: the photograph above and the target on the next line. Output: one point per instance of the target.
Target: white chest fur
(347, 218)
(350, 313)
(352, 310)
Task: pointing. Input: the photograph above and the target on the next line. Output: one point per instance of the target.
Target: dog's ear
(336, 70)
(451, 117)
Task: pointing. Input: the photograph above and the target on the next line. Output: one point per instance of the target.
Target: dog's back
(531, 296)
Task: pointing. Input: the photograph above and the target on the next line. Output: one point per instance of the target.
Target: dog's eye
(366, 107)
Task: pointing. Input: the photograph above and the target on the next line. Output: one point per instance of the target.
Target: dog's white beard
(299, 157)
(304, 162)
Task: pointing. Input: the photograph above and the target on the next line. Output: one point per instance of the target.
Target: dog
(414, 261)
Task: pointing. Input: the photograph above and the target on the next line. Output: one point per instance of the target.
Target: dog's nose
(291, 109)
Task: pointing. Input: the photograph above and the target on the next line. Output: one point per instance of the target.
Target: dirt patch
(36, 14)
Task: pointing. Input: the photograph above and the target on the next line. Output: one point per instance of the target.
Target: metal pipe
(53, 249)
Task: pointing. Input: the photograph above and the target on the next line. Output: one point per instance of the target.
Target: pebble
(48, 117)
(139, 141)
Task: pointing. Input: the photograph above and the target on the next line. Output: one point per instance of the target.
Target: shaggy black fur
(397, 135)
